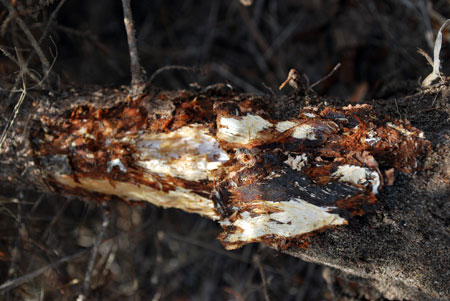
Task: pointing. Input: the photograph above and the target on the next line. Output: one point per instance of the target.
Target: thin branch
(26, 30)
(326, 77)
(12, 117)
(98, 241)
(137, 72)
(9, 55)
(55, 218)
(306, 79)
(50, 20)
(210, 30)
(10, 284)
(170, 67)
(254, 31)
(16, 108)
(87, 34)
(268, 88)
(44, 35)
(429, 35)
(5, 24)
(263, 277)
(235, 79)
(55, 56)
(16, 249)
(30, 72)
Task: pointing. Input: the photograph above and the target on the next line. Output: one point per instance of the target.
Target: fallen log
(346, 186)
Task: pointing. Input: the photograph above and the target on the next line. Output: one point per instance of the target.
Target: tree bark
(352, 187)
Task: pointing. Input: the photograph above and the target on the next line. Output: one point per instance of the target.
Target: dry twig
(16, 108)
(98, 241)
(10, 284)
(168, 68)
(326, 77)
(26, 30)
(137, 72)
(263, 277)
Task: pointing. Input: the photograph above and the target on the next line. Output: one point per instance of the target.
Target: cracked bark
(309, 180)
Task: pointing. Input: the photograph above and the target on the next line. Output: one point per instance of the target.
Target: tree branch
(137, 72)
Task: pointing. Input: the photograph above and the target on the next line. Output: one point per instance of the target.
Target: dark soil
(151, 253)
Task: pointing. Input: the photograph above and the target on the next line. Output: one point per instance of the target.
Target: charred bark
(351, 187)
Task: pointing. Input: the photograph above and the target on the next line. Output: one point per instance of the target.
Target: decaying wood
(311, 180)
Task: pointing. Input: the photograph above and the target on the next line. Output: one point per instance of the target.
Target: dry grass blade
(436, 61)
(426, 56)
(16, 108)
(437, 49)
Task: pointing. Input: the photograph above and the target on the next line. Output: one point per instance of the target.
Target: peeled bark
(311, 180)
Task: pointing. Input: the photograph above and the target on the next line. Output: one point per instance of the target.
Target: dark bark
(396, 240)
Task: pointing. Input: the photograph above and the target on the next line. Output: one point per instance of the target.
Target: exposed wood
(308, 180)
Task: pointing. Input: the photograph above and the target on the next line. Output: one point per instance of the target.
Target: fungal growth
(263, 179)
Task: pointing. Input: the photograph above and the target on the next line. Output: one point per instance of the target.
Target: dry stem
(137, 72)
